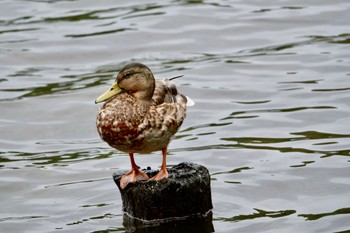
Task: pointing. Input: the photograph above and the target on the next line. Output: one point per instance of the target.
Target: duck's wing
(170, 109)
(166, 92)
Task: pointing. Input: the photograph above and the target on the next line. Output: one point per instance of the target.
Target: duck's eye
(128, 74)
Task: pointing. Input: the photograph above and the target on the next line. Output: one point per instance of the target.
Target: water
(271, 122)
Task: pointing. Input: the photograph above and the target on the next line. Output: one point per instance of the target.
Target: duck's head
(135, 79)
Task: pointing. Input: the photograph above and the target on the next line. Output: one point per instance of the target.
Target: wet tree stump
(186, 193)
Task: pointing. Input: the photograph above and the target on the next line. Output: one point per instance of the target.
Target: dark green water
(271, 82)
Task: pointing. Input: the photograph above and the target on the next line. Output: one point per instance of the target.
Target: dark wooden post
(184, 195)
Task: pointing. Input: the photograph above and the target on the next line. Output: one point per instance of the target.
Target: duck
(140, 115)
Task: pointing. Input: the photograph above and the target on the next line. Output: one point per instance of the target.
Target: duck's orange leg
(133, 175)
(163, 173)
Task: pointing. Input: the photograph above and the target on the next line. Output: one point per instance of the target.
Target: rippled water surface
(271, 122)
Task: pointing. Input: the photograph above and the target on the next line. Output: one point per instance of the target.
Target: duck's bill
(114, 90)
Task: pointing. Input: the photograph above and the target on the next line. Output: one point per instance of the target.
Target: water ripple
(259, 214)
(313, 217)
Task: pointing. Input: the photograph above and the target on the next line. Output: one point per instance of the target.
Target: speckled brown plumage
(145, 114)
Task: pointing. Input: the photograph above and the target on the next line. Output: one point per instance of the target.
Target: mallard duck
(140, 115)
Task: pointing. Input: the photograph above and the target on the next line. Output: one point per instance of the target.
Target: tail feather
(189, 102)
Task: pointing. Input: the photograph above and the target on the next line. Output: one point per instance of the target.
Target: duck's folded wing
(166, 92)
